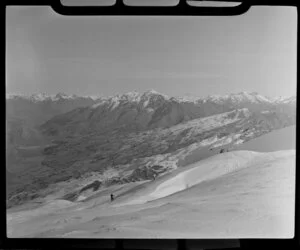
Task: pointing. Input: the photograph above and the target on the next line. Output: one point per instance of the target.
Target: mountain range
(127, 137)
(131, 111)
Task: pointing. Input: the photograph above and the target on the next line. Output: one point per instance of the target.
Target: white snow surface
(204, 170)
(241, 194)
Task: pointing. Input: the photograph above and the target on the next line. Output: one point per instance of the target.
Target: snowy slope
(205, 170)
(252, 196)
(280, 139)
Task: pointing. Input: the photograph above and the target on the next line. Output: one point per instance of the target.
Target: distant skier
(221, 151)
(112, 197)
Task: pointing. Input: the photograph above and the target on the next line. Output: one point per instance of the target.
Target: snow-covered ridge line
(285, 99)
(41, 97)
(253, 97)
(137, 97)
(145, 99)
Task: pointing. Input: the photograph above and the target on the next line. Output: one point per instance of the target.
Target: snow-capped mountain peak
(144, 99)
(290, 99)
(39, 97)
(152, 92)
(64, 96)
(215, 98)
(284, 99)
(93, 97)
(133, 96)
(11, 96)
(186, 99)
(244, 96)
(152, 96)
(253, 97)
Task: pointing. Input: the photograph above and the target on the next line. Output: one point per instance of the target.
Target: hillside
(251, 197)
(25, 113)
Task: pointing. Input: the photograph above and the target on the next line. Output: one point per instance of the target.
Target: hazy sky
(50, 53)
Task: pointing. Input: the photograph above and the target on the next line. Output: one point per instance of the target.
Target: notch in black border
(181, 9)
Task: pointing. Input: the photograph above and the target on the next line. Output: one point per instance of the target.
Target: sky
(93, 55)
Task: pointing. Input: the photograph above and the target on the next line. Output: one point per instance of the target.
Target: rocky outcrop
(94, 186)
(146, 173)
(20, 198)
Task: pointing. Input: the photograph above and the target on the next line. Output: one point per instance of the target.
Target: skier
(154, 176)
(111, 197)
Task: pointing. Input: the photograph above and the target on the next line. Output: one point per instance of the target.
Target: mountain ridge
(240, 95)
(149, 110)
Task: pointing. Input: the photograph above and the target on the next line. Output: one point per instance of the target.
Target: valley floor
(240, 194)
